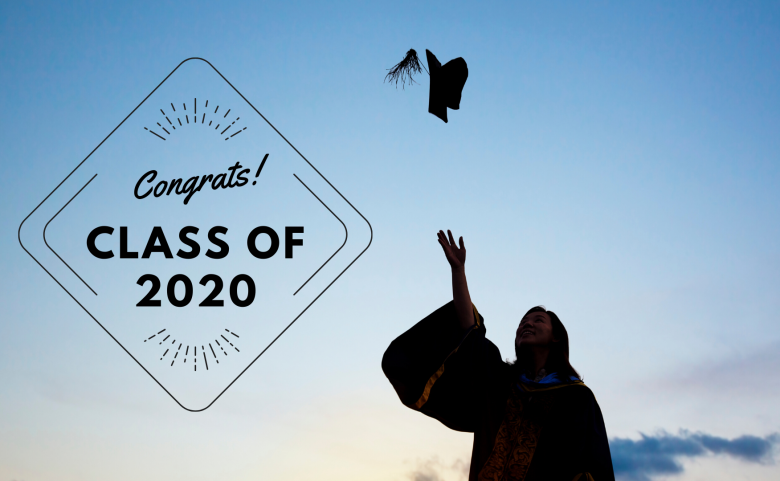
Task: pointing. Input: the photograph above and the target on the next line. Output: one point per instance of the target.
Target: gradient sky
(615, 161)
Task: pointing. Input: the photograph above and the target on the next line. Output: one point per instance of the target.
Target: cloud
(638, 460)
(750, 373)
(662, 454)
(434, 470)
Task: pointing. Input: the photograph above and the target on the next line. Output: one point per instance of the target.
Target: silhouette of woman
(533, 419)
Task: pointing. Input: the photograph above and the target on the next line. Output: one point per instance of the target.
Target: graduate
(533, 419)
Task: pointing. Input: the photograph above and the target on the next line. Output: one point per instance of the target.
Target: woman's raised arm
(456, 256)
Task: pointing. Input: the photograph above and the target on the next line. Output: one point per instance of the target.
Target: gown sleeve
(598, 458)
(443, 371)
(591, 447)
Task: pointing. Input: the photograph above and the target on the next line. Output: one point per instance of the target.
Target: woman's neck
(537, 358)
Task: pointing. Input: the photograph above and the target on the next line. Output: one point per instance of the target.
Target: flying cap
(447, 83)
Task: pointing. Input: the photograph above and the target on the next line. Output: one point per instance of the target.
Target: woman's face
(534, 330)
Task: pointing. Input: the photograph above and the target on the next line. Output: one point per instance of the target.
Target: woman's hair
(558, 360)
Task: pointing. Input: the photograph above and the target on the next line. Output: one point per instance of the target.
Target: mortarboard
(447, 80)
(447, 83)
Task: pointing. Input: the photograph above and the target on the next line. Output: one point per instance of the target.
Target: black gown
(522, 431)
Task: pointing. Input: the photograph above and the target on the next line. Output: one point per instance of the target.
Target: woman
(532, 420)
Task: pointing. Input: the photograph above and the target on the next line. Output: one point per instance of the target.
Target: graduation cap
(447, 80)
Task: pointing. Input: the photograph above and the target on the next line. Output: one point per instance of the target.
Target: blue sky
(615, 161)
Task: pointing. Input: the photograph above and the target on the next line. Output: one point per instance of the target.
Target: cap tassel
(405, 68)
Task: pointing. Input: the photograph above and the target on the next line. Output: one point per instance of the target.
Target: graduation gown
(523, 431)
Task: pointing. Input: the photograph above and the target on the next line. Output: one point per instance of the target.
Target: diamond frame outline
(371, 238)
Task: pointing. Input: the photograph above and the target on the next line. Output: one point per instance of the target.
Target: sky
(616, 162)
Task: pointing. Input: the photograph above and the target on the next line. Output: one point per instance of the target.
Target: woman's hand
(456, 256)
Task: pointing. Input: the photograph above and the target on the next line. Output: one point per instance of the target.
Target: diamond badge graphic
(195, 234)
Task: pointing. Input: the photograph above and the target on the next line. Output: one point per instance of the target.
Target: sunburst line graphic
(175, 351)
(194, 121)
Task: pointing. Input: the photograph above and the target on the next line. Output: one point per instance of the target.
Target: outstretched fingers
(448, 240)
(452, 239)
